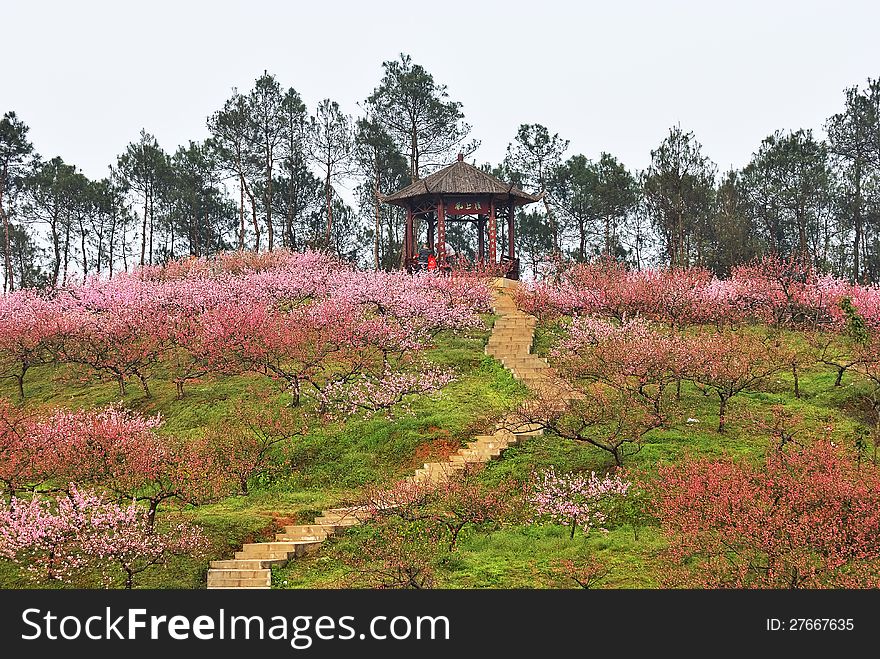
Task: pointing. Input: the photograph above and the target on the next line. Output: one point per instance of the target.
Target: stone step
(285, 537)
(349, 510)
(498, 436)
(480, 454)
(266, 555)
(523, 428)
(232, 582)
(307, 530)
(441, 467)
(521, 363)
(286, 545)
(487, 445)
(245, 564)
(304, 548)
(337, 522)
(223, 573)
(468, 459)
(499, 352)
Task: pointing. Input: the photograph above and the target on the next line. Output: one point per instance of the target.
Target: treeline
(268, 176)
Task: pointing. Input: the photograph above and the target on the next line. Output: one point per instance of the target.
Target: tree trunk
(179, 384)
(241, 213)
(9, 284)
(857, 222)
(722, 409)
(144, 384)
(327, 191)
(152, 214)
(121, 380)
(267, 200)
(151, 513)
(253, 203)
(378, 211)
(56, 248)
(794, 372)
(82, 246)
(129, 578)
(607, 236)
(66, 251)
(144, 231)
(840, 370)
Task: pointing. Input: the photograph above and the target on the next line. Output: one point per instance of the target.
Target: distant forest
(268, 175)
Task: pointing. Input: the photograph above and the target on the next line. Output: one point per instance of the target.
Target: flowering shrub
(770, 290)
(303, 320)
(806, 518)
(576, 500)
(57, 538)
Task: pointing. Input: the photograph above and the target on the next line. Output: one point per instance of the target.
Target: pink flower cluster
(56, 538)
(110, 448)
(576, 499)
(293, 317)
(771, 290)
(369, 395)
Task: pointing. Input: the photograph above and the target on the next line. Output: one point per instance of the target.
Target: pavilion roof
(459, 178)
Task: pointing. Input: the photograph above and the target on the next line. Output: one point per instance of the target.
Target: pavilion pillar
(493, 232)
(431, 225)
(481, 238)
(408, 240)
(441, 232)
(511, 243)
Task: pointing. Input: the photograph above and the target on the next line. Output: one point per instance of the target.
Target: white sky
(610, 75)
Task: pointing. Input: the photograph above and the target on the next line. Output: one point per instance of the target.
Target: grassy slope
(335, 461)
(523, 557)
(330, 465)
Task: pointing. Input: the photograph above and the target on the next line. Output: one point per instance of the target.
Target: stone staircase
(510, 343)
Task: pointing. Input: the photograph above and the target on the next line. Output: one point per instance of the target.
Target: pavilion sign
(466, 206)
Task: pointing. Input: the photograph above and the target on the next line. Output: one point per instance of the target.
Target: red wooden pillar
(408, 240)
(493, 232)
(481, 238)
(511, 244)
(441, 233)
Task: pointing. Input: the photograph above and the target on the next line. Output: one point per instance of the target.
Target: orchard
(711, 432)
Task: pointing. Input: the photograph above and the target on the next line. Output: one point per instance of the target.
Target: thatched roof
(460, 178)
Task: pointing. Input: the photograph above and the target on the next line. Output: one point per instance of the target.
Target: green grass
(337, 460)
(525, 556)
(327, 467)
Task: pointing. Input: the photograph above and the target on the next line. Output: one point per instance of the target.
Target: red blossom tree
(246, 444)
(808, 517)
(729, 363)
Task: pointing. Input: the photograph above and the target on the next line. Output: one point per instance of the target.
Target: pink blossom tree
(58, 538)
(576, 500)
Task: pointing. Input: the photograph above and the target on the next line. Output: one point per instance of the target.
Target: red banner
(467, 206)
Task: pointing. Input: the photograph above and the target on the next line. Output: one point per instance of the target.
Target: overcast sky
(612, 76)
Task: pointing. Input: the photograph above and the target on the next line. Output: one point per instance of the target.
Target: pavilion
(462, 193)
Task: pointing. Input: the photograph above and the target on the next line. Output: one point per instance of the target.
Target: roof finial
(460, 157)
